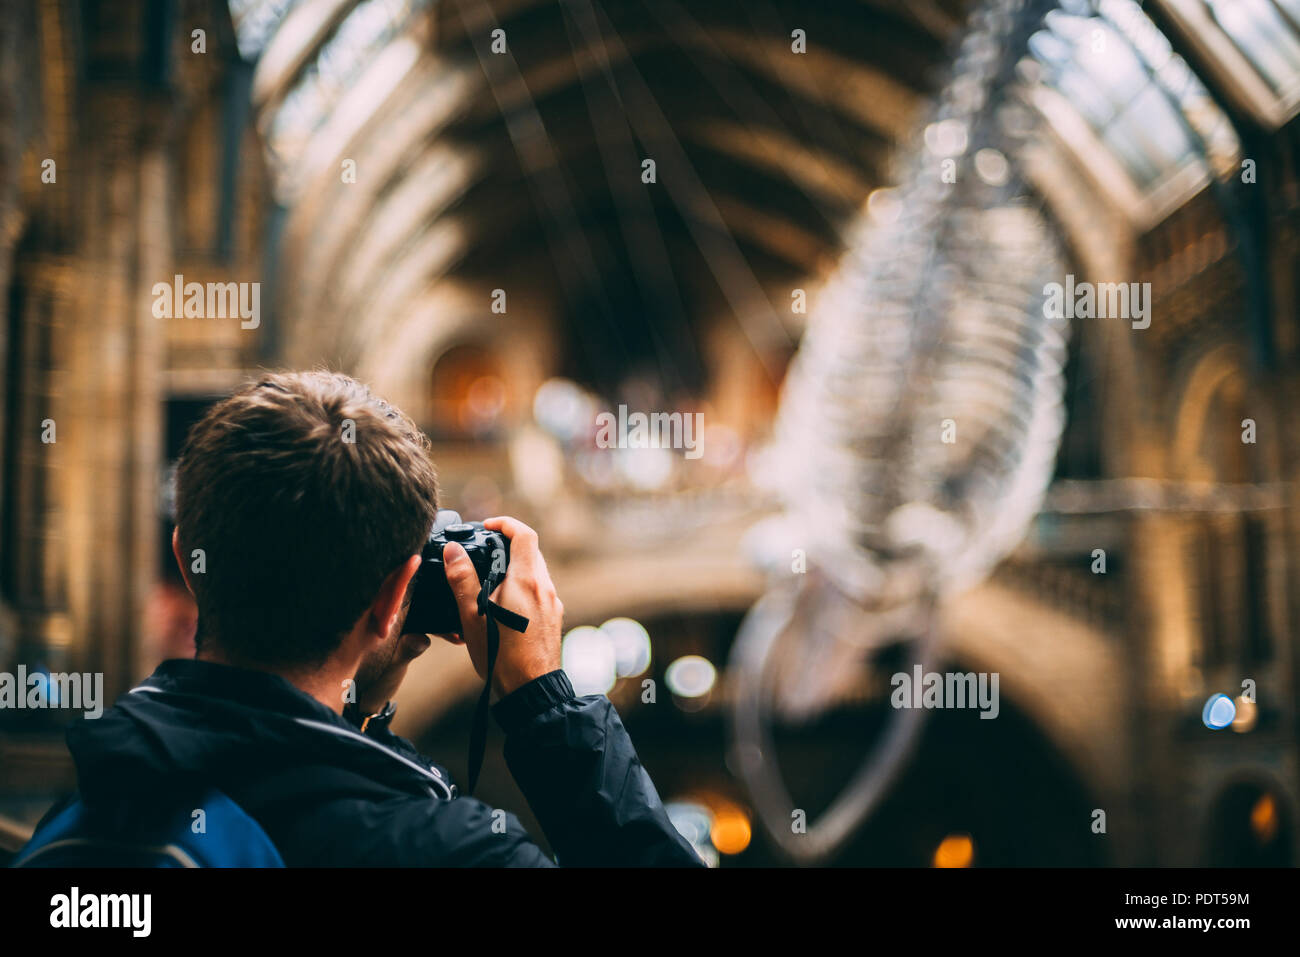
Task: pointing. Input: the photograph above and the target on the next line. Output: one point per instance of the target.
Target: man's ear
(180, 560)
(388, 603)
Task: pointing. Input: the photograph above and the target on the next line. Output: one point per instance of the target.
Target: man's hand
(527, 590)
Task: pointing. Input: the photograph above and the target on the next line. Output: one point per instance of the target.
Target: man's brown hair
(304, 492)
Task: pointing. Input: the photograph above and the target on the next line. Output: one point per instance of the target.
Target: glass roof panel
(1265, 35)
(1119, 72)
(353, 45)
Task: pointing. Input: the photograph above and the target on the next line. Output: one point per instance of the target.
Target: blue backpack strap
(72, 839)
(229, 836)
(208, 831)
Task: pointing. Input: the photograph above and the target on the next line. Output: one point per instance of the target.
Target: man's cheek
(412, 646)
(374, 664)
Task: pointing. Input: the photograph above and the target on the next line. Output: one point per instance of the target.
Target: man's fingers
(524, 552)
(463, 580)
(513, 529)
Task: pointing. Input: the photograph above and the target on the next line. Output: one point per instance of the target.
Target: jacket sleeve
(575, 763)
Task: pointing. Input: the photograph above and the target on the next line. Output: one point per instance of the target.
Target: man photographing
(303, 503)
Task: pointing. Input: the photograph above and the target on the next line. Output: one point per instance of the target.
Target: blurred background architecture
(509, 216)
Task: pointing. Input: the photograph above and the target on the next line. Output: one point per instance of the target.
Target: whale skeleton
(917, 430)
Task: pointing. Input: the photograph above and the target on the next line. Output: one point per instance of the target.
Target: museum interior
(972, 327)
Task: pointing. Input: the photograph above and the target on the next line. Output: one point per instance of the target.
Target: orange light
(731, 830)
(1247, 715)
(1263, 818)
(955, 850)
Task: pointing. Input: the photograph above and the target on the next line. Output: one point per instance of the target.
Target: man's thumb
(461, 577)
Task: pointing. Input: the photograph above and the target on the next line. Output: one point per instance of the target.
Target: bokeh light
(1247, 715)
(1218, 712)
(631, 645)
(646, 469)
(731, 831)
(955, 850)
(1264, 818)
(562, 408)
(691, 677)
(587, 656)
(694, 821)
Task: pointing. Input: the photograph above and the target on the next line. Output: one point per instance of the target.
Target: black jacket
(328, 795)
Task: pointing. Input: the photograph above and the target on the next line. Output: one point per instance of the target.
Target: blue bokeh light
(1218, 712)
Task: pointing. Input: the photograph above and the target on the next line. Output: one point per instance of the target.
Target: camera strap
(494, 613)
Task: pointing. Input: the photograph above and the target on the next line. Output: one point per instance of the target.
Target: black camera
(433, 606)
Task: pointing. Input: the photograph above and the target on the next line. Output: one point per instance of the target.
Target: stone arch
(1219, 377)
(1234, 580)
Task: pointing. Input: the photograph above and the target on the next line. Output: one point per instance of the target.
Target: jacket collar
(244, 686)
(248, 689)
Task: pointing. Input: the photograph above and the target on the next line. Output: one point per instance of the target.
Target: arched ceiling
(478, 168)
(524, 169)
